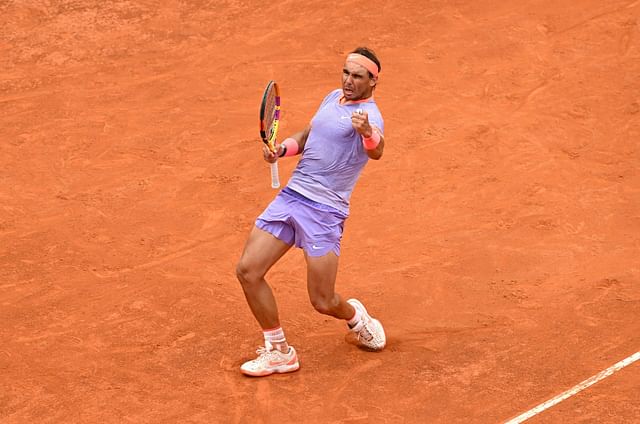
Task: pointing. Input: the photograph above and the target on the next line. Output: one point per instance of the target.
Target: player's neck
(344, 101)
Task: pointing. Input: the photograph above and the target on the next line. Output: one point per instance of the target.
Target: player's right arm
(299, 137)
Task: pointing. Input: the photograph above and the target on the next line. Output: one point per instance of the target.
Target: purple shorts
(296, 220)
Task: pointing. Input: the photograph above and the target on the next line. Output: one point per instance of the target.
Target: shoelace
(365, 329)
(265, 353)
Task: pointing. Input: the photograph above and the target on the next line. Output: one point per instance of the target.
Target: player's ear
(373, 81)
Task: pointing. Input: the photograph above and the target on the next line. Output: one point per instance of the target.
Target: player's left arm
(372, 137)
(377, 152)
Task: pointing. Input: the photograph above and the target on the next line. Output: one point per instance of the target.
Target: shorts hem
(267, 227)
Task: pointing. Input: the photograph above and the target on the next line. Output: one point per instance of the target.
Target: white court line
(575, 389)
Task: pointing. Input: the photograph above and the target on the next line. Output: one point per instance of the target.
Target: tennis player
(309, 213)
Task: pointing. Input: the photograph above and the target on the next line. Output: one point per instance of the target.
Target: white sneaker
(369, 330)
(271, 360)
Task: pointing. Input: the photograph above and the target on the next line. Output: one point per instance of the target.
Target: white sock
(356, 318)
(275, 337)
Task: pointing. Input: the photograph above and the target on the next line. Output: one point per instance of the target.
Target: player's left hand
(360, 122)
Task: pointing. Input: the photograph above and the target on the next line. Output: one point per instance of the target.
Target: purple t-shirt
(333, 155)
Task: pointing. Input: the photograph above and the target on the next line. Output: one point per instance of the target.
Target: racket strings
(271, 109)
(271, 113)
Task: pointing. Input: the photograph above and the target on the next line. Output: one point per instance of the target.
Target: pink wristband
(290, 147)
(372, 142)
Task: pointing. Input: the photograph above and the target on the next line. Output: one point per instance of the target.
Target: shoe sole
(283, 369)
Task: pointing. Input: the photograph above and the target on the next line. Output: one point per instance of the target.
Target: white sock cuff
(274, 335)
(356, 317)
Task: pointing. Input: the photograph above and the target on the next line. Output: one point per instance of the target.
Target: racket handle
(275, 176)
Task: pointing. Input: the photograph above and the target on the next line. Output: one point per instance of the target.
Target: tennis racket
(269, 122)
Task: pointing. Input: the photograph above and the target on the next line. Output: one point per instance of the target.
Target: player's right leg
(261, 252)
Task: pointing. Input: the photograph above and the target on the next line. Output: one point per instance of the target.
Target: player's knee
(324, 305)
(245, 274)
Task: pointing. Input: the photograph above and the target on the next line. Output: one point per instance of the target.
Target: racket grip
(275, 175)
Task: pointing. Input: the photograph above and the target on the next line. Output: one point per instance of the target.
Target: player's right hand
(269, 156)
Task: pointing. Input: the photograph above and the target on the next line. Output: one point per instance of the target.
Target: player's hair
(366, 51)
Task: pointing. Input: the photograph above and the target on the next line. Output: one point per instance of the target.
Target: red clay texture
(498, 239)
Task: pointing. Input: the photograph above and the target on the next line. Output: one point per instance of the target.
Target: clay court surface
(498, 240)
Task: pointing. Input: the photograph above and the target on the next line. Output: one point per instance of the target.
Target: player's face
(356, 83)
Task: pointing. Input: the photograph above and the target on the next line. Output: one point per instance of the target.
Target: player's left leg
(318, 233)
(321, 279)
